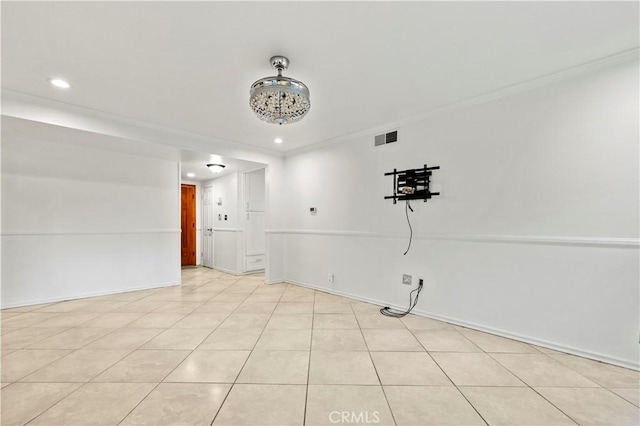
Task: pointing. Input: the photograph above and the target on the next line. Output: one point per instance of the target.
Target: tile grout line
(83, 384)
(167, 375)
(531, 387)
(177, 365)
(250, 351)
(538, 393)
(393, 417)
(513, 373)
(306, 395)
(203, 302)
(443, 372)
(53, 404)
(554, 405)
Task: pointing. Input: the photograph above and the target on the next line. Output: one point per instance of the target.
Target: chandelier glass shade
(216, 168)
(278, 99)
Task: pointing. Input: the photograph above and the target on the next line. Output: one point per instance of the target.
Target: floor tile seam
(55, 402)
(455, 385)
(246, 359)
(384, 393)
(156, 386)
(534, 390)
(554, 405)
(492, 355)
(172, 370)
(306, 395)
(582, 374)
(129, 352)
(615, 394)
(33, 343)
(213, 382)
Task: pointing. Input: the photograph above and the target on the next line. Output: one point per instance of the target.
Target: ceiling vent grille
(385, 138)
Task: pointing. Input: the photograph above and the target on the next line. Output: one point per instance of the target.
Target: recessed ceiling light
(278, 140)
(59, 83)
(191, 175)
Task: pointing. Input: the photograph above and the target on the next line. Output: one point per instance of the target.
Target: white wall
(85, 214)
(23, 106)
(535, 235)
(277, 193)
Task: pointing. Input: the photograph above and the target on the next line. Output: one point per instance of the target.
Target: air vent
(386, 138)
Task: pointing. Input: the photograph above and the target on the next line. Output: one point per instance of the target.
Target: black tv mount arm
(412, 184)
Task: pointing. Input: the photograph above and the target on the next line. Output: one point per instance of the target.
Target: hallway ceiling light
(59, 83)
(278, 140)
(216, 168)
(191, 175)
(278, 99)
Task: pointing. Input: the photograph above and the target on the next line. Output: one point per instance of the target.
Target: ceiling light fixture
(278, 99)
(191, 175)
(58, 82)
(278, 140)
(216, 168)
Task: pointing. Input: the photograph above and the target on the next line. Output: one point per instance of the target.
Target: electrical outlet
(330, 277)
(406, 279)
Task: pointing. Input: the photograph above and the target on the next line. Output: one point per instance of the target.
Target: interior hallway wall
(33, 108)
(535, 235)
(85, 214)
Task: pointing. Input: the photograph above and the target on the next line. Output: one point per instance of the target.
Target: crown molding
(35, 108)
(534, 83)
(16, 104)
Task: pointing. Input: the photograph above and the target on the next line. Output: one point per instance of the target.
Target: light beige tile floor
(227, 350)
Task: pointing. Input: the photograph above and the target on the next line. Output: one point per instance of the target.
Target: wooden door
(188, 224)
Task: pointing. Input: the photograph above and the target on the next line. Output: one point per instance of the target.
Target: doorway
(188, 225)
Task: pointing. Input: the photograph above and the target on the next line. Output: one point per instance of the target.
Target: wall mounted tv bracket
(412, 184)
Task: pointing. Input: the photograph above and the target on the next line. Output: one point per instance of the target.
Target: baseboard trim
(229, 271)
(498, 332)
(277, 281)
(84, 296)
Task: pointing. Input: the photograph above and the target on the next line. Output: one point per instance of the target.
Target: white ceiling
(196, 163)
(189, 65)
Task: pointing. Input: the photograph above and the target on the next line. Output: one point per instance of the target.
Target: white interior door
(207, 226)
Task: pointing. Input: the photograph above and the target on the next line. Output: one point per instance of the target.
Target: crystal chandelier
(278, 99)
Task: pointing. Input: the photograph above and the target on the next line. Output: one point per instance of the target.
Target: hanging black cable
(412, 303)
(407, 207)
